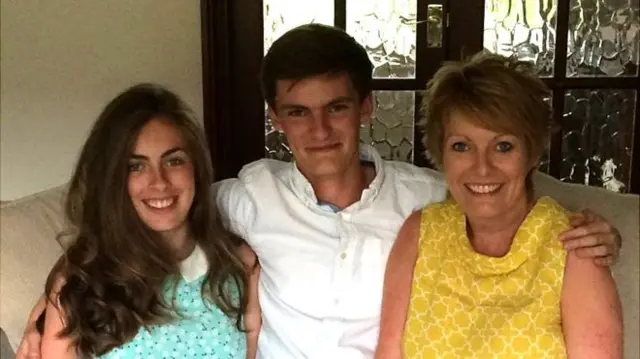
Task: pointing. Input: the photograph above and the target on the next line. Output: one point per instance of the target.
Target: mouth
(160, 203)
(483, 189)
(324, 148)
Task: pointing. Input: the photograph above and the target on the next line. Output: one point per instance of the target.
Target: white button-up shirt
(322, 271)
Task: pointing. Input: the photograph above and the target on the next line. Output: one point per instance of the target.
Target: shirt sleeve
(235, 206)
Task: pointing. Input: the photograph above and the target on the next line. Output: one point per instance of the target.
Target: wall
(62, 60)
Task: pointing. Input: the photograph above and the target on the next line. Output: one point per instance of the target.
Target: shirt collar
(194, 266)
(303, 189)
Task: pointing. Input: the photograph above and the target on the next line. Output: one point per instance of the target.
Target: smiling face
(161, 177)
(320, 117)
(486, 171)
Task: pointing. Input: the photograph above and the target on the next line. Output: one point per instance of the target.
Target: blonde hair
(501, 93)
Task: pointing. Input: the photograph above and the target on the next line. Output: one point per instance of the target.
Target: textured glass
(604, 38)
(275, 144)
(597, 137)
(387, 29)
(390, 130)
(544, 160)
(525, 28)
(280, 16)
(434, 25)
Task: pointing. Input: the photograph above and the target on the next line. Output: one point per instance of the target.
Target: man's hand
(592, 236)
(31, 339)
(30, 345)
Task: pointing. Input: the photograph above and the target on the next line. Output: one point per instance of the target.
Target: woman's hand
(252, 315)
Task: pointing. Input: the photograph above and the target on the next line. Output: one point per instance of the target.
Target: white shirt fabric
(322, 273)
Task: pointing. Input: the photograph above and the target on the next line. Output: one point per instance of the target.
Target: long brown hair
(116, 268)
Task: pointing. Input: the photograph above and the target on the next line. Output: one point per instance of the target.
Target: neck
(493, 236)
(346, 189)
(180, 242)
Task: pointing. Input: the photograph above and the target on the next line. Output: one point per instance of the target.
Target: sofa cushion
(623, 212)
(28, 250)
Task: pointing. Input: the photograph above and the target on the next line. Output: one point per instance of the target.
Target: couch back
(28, 250)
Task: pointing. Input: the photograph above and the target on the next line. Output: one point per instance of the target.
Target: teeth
(159, 203)
(483, 188)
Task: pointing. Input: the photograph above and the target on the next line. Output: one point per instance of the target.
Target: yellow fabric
(468, 305)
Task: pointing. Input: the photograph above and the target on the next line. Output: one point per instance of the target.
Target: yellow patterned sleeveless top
(467, 305)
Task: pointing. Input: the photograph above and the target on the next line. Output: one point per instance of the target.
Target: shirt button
(343, 256)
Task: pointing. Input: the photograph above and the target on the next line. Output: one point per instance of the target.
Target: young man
(322, 227)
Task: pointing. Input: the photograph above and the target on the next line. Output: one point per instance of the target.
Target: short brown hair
(502, 93)
(312, 50)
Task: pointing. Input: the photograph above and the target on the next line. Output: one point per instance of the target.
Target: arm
(397, 289)
(54, 346)
(591, 311)
(252, 315)
(235, 206)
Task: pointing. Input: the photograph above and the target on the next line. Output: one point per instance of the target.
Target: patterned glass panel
(281, 16)
(544, 160)
(391, 128)
(390, 131)
(275, 144)
(597, 137)
(526, 28)
(604, 38)
(387, 29)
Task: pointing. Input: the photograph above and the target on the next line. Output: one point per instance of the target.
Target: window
(586, 51)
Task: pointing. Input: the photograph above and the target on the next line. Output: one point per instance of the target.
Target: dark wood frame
(233, 104)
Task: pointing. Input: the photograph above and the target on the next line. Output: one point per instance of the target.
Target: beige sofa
(28, 249)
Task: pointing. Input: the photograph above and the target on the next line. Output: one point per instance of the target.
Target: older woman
(482, 275)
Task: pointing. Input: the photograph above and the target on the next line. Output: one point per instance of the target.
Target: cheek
(294, 131)
(515, 168)
(454, 166)
(184, 179)
(135, 185)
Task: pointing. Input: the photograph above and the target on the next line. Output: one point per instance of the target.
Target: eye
(296, 113)
(175, 161)
(338, 108)
(459, 147)
(504, 146)
(135, 167)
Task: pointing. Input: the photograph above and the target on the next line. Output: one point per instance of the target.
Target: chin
(164, 226)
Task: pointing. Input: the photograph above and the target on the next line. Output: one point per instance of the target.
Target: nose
(159, 179)
(320, 126)
(482, 163)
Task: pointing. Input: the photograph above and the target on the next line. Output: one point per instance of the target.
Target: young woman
(150, 272)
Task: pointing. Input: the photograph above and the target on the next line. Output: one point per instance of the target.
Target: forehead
(314, 91)
(475, 125)
(159, 133)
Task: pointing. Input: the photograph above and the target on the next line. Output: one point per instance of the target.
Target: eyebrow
(335, 101)
(164, 154)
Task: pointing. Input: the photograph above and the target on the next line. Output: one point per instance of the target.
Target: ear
(274, 118)
(366, 109)
(535, 163)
